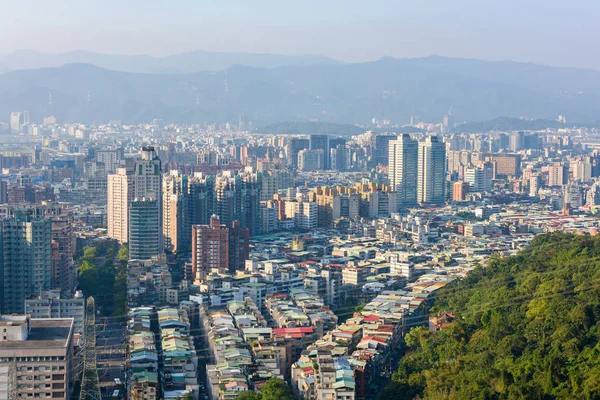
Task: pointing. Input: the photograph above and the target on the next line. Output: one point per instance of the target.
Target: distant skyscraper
(273, 181)
(203, 199)
(448, 122)
(321, 142)
(25, 260)
(558, 174)
(238, 199)
(296, 144)
(177, 228)
(382, 149)
(403, 157)
(480, 179)
(239, 247)
(517, 141)
(340, 158)
(3, 192)
(145, 238)
(431, 183)
(120, 192)
(147, 175)
(311, 160)
(582, 170)
(16, 121)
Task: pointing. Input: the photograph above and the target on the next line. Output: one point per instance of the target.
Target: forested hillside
(526, 327)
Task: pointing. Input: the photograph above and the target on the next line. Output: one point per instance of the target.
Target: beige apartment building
(36, 357)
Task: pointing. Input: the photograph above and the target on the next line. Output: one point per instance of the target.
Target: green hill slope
(526, 327)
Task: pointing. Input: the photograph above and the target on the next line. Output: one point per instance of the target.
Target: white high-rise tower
(431, 184)
(403, 169)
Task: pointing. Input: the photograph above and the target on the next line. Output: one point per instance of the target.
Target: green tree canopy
(248, 395)
(123, 254)
(276, 389)
(525, 327)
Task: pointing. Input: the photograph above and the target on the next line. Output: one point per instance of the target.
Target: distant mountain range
(392, 89)
(502, 124)
(192, 61)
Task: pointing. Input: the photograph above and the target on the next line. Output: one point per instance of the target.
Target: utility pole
(90, 383)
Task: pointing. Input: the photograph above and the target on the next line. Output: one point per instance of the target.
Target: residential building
(459, 191)
(558, 174)
(210, 248)
(51, 304)
(41, 353)
(311, 160)
(25, 259)
(120, 191)
(176, 221)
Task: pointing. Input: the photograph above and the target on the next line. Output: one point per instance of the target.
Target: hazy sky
(554, 32)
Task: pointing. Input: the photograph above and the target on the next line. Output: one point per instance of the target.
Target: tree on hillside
(526, 326)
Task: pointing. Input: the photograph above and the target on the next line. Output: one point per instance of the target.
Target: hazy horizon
(349, 31)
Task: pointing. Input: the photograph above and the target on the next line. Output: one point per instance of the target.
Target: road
(111, 353)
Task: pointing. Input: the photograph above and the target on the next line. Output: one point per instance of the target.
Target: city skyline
(299, 200)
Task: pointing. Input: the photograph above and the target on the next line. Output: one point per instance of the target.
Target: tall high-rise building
(238, 199)
(147, 180)
(177, 228)
(321, 142)
(582, 170)
(340, 158)
(63, 240)
(210, 248)
(239, 247)
(203, 199)
(16, 121)
(145, 238)
(479, 178)
(147, 175)
(558, 174)
(296, 144)
(274, 181)
(311, 160)
(120, 192)
(3, 192)
(25, 259)
(517, 141)
(431, 183)
(403, 160)
(448, 122)
(382, 149)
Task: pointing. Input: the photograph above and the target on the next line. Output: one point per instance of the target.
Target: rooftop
(44, 333)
